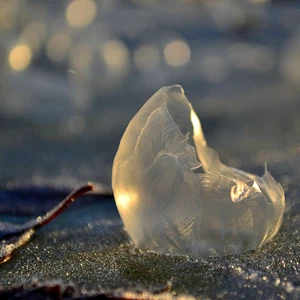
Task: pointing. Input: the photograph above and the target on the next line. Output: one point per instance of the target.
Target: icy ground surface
(87, 252)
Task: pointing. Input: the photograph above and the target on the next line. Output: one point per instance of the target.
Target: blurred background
(74, 72)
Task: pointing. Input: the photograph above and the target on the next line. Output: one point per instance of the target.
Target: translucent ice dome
(177, 200)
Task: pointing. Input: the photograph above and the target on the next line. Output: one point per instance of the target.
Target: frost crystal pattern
(175, 200)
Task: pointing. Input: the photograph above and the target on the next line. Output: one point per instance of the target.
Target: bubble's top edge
(177, 88)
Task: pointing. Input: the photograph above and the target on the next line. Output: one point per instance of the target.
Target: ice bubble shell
(175, 200)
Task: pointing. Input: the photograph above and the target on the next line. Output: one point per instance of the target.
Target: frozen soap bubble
(169, 206)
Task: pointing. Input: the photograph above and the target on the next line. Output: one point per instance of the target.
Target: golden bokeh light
(177, 53)
(81, 13)
(116, 56)
(20, 57)
(146, 58)
(58, 46)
